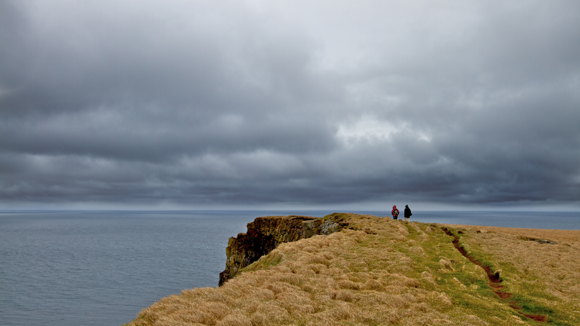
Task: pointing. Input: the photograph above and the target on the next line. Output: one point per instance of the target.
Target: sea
(64, 268)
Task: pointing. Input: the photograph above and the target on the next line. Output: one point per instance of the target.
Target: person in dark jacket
(395, 212)
(407, 213)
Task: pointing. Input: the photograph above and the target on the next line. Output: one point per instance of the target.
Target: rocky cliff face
(266, 233)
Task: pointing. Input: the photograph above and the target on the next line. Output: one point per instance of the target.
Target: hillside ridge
(378, 271)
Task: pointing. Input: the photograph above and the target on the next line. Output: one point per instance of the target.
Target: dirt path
(494, 280)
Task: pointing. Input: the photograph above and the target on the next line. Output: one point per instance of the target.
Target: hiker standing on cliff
(395, 212)
(407, 213)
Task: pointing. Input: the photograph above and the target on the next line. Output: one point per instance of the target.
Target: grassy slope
(390, 272)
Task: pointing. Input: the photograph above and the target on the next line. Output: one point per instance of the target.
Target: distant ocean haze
(103, 267)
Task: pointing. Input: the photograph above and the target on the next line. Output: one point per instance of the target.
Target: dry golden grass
(385, 272)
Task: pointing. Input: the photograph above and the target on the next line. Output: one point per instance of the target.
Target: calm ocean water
(103, 267)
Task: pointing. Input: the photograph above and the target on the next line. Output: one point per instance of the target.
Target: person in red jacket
(395, 212)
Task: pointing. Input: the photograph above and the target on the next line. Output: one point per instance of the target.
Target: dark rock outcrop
(538, 240)
(266, 233)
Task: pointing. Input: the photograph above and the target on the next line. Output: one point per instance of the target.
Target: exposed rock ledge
(266, 233)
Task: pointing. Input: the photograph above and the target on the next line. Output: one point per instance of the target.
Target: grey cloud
(326, 103)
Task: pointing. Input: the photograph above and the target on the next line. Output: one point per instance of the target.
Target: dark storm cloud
(252, 103)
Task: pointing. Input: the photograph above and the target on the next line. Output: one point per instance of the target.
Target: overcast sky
(289, 104)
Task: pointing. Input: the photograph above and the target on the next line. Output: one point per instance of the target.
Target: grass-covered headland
(379, 271)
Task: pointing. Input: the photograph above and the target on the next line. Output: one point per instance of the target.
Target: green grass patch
(270, 260)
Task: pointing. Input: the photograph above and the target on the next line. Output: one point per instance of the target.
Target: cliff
(377, 271)
(266, 233)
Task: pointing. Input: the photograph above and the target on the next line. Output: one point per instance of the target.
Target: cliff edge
(266, 233)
